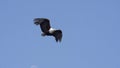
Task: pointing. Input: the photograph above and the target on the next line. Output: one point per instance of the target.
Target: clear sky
(91, 34)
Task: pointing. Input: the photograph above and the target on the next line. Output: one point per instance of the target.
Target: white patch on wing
(51, 30)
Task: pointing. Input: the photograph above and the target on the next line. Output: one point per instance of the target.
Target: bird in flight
(47, 30)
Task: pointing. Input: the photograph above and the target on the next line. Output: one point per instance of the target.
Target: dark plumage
(47, 30)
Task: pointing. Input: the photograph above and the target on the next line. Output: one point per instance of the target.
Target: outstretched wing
(44, 24)
(58, 35)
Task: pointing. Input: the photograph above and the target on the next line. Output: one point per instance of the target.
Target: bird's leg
(43, 34)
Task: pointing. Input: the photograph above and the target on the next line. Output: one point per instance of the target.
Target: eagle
(47, 30)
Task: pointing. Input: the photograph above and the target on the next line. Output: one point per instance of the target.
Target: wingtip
(58, 41)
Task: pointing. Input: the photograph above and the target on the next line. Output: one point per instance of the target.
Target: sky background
(91, 34)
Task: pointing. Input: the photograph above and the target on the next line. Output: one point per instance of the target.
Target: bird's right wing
(58, 35)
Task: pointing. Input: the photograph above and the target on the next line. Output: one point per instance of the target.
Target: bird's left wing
(44, 24)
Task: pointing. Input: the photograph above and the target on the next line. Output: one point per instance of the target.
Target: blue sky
(91, 34)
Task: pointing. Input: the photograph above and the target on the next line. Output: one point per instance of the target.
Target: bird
(47, 30)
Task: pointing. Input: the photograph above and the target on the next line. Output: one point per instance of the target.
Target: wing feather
(58, 35)
(44, 24)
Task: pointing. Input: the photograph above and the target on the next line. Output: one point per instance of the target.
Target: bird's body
(47, 30)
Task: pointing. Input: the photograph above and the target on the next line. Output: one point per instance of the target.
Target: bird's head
(38, 21)
(51, 30)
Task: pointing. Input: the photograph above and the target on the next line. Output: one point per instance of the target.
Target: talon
(43, 34)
